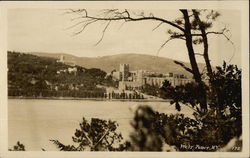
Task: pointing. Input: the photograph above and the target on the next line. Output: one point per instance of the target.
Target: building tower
(62, 58)
(124, 70)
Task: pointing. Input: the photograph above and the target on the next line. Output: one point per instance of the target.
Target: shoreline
(90, 99)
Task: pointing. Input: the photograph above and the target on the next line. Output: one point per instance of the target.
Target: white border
(239, 5)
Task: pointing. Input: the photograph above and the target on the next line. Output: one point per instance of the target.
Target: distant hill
(136, 62)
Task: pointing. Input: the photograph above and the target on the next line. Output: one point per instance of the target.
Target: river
(34, 122)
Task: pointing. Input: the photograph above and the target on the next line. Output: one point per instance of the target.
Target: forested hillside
(30, 75)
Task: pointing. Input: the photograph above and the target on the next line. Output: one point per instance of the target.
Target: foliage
(227, 80)
(153, 90)
(187, 94)
(144, 137)
(18, 147)
(154, 131)
(98, 135)
(227, 98)
(223, 120)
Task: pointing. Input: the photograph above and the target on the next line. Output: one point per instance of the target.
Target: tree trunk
(189, 45)
(205, 44)
(214, 90)
(194, 65)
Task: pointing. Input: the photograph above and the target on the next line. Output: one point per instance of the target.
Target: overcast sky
(44, 30)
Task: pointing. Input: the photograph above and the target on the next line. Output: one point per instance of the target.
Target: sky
(45, 30)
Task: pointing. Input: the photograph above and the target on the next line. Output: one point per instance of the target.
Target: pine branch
(183, 66)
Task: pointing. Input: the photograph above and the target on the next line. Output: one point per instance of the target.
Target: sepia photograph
(97, 78)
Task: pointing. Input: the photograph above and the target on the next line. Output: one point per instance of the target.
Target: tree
(187, 94)
(98, 135)
(227, 83)
(223, 120)
(203, 26)
(185, 28)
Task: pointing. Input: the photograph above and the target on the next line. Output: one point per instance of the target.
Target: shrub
(98, 135)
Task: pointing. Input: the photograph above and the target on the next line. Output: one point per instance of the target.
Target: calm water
(35, 121)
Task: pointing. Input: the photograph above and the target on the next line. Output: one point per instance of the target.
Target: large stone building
(134, 80)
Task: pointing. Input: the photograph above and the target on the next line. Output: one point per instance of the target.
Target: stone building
(134, 80)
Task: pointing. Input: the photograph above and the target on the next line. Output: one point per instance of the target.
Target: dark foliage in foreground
(159, 132)
(98, 135)
(222, 121)
(18, 147)
(187, 94)
(145, 137)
